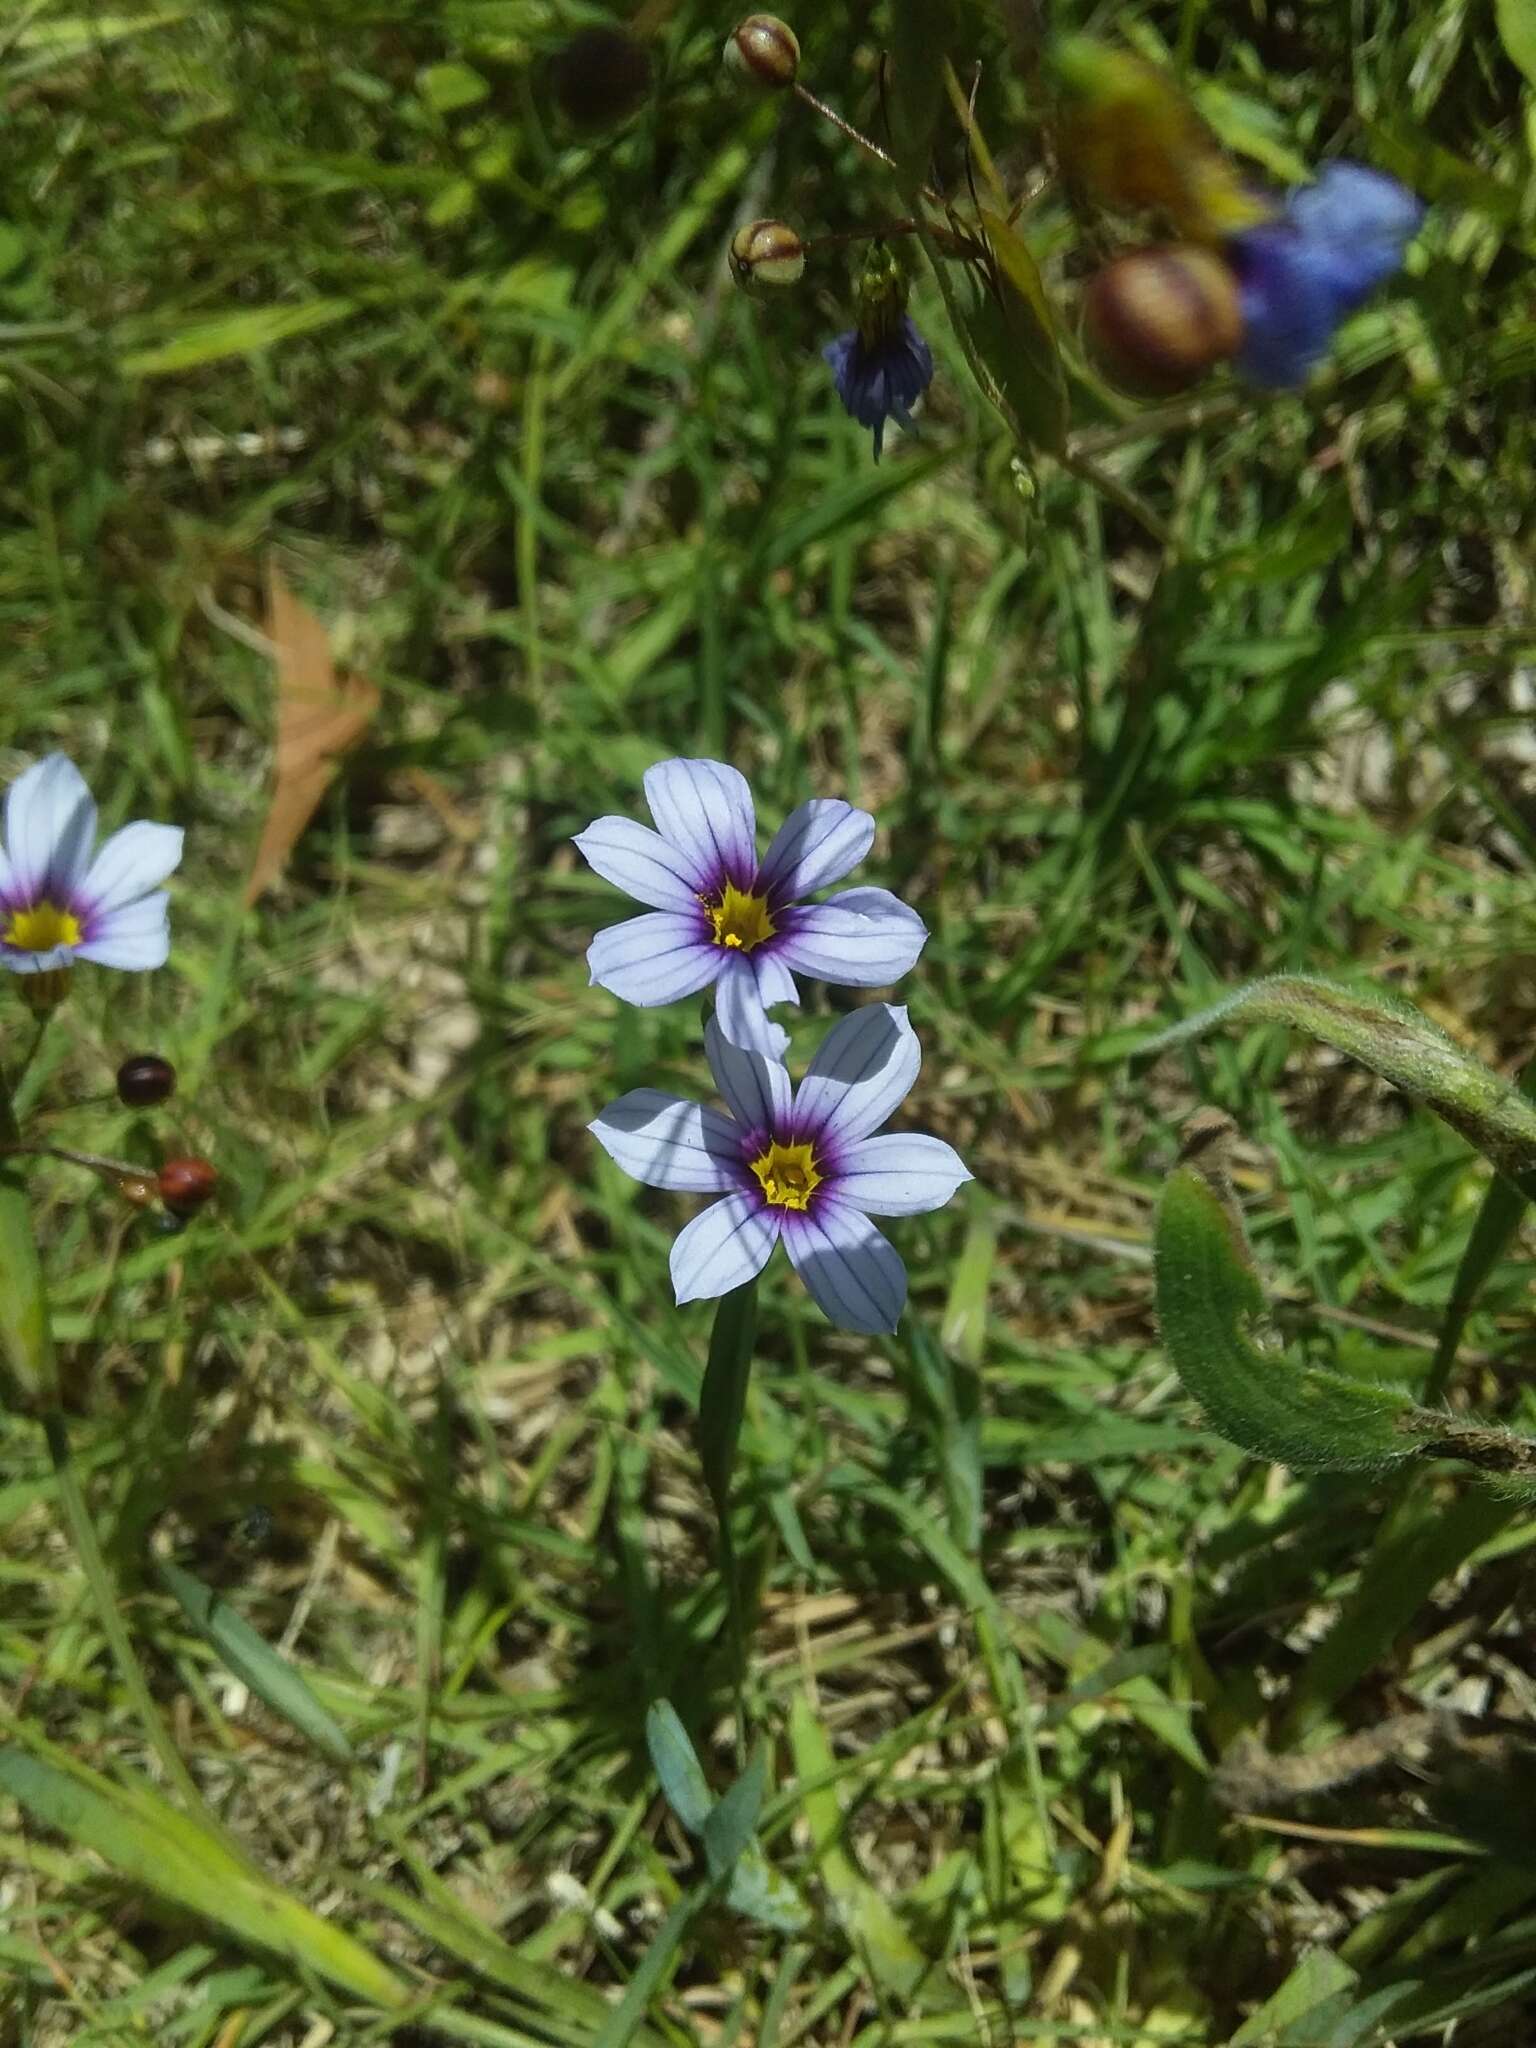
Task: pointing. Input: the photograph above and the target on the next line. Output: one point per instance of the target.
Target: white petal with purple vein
(861, 938)
(853, 1274)
(756, 1088)
(900, 1173)
(863, 1068)
(705, 809)
(638, 861)
(50, 827)
(131, 864)
(725, 1247)
(818, 843)
(669, 1143)
(134, 937)
(658, 958)
(739, 1009)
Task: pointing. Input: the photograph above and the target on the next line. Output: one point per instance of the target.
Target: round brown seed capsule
(767, 252)
(600, 78)
(145, 1080)
(1157, 320)
(764, 51)
(187, 1185)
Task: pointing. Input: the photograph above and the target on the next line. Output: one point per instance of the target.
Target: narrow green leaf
(723, 1396)
(236, 334)
(565, 2004)
(1425, 1541)
(921, 31)
(1517, 32)
(1396, 1041)
(1207, 1294)
(1497, 1220)
(729, 1824)
(677, 1766)
(28, 1374)
(241, 1650)
(164, 1852)
(624, 2021)
(1013, 331)
(894, 1958)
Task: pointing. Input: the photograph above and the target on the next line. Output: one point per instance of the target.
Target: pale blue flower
(60, 899)
(798, 1166)
(724, 919)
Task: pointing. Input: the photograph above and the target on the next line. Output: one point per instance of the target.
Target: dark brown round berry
(1157, 320)
(145, 1080)
(186, 1185)
(600, 77)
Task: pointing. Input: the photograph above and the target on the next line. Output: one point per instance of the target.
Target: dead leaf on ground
(319, 716)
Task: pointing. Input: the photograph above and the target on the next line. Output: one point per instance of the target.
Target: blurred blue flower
(881, 375)
(801, 1166)
(1303, 273)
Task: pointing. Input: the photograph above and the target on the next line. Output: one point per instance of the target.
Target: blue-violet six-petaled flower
(722, 917)
(802, 1166)
(60, 899)
(881, 377)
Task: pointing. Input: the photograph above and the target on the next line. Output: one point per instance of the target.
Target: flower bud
(186, 1185)
(600, 78)
(767, 252)
(764, 51)
(145, 1080)
(1157, 320)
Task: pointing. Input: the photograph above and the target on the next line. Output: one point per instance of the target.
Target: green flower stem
(29, 1372)
(82, 1532)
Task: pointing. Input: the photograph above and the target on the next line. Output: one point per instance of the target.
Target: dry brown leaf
(319, 716)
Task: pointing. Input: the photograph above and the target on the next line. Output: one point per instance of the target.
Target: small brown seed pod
(767, 252)
(1156, 320)
(763, 51)
(187, 1185)
(145, 1080)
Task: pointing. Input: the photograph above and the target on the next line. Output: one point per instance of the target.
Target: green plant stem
(27, 1339)
(82, 1531)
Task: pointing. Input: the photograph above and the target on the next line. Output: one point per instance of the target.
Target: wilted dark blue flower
(881, 375)
(1303, 273)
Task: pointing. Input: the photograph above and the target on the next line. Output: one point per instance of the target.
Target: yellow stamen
(788, 1175)
(41, 928)
(739, 920)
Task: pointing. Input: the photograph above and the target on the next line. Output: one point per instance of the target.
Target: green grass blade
(241, 1650)
(151, 1844)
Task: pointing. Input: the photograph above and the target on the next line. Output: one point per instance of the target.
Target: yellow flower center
(788, 1175)
(41, 928)
(739, 920)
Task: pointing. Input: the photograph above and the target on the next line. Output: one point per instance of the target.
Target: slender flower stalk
(721, 918)
(799, 1166)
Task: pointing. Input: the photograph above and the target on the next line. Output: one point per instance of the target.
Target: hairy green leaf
(1207, 1296)
(1396, 1041)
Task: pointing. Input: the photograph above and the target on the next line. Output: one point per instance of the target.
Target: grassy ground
(333, 288)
